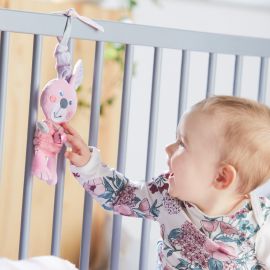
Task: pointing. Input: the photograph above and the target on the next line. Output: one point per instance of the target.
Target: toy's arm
(46, 140)
(42, 130)
(59, 136)
(42, 126)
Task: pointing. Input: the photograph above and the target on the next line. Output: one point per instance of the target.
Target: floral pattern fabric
(190, 239)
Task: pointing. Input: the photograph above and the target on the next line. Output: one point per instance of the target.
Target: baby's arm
(110, 188)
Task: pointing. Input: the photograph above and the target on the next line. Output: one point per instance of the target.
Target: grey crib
(130, 35)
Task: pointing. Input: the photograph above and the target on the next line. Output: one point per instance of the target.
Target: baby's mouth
(170, 176)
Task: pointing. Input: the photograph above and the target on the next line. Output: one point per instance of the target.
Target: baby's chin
(172, 192)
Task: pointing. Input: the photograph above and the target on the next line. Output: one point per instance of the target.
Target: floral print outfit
(190, 238)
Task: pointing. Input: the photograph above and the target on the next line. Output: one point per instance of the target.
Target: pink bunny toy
(59, 103)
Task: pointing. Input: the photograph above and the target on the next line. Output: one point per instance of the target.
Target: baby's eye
(70, 102)
(180, 143)
(61, 93)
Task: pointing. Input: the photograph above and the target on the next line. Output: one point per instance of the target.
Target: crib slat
(122, 146)
(183, 83)
(93, 139)
(3, 87)
(32, 118)
(238, 67)
(152, 135)
(211, 76)
(59, 194)
(58, 204)
(263, 79)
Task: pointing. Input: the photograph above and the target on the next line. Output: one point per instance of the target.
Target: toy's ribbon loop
(62, 54)
(72, 13)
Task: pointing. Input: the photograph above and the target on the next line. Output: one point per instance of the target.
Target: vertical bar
(211, 76)
(122, 146)
(3, 88)
(152, 135)
(238, 67)
(59, 195)
(263, 79)
(32, 118)
(183, 84)
(58, 204)
(93, 138)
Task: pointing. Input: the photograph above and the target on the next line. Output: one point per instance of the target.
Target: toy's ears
(77, 75)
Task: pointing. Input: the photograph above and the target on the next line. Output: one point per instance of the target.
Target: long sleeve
(262, 245)
(117, 193)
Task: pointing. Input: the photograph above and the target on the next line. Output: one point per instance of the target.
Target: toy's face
(58, 101)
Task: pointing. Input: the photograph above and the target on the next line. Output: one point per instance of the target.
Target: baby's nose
(168, 149)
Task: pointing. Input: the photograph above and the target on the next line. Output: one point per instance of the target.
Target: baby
(209, 217)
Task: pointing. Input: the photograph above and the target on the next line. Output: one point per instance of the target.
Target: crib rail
(53, 25)
(131, 35)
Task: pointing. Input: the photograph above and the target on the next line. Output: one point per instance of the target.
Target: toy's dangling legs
(52, 166)
(48, 142)
(39, 166)
(44, 164)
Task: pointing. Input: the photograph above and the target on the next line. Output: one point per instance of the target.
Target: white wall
(188, 15)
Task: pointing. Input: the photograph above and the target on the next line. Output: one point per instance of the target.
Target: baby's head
(223, 144)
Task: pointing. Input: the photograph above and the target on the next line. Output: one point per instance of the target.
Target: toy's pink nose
(52, 98)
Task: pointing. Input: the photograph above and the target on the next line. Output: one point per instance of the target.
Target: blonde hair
(246, 137)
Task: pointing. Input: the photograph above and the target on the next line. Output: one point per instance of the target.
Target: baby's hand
(80, 153)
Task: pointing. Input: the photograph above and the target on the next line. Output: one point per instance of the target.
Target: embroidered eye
(61, 93)
(70, 102)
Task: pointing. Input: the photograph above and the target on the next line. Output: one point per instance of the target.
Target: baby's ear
(226, 176)
(77, 75)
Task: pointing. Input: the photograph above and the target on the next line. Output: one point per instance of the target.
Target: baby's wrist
(88, 155)
(91, 166)
(85, 158)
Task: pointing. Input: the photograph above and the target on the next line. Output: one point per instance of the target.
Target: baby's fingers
(74, 158)
(75, 142)
(69, 129)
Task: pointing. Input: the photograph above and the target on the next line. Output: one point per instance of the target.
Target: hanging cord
(62, 52)
(63, 55)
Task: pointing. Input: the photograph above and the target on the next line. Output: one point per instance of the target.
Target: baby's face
(193, 158)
